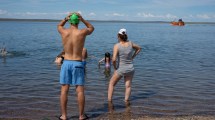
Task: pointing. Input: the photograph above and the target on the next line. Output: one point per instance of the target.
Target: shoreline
(132, 116)
(193, 117)
(116, 21)
(121, 116)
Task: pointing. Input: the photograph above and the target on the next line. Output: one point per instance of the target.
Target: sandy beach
(141, 117)
(120, 116)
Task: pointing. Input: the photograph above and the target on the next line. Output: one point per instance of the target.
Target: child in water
(3, 51)
(107, 61)
(59, 59)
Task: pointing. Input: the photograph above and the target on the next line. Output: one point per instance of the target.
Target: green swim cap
(74, 19)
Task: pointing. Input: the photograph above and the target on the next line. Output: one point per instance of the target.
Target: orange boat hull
(178, 23)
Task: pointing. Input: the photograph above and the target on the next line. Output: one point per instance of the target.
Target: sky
(126, 10)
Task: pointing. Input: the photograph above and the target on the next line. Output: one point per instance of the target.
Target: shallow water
(174, 71)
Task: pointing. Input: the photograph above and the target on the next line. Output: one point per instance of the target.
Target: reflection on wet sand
(126, 115)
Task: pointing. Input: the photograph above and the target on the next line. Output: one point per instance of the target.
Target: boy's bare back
(73, 39)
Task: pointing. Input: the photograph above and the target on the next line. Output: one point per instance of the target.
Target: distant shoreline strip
(52, 20)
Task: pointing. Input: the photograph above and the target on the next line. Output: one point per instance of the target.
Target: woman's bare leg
(128, 80)
(115, 78)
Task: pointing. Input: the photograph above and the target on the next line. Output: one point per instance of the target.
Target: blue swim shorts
(84, 63)
(72, 72)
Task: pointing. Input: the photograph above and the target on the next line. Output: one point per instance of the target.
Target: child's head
(107, 55)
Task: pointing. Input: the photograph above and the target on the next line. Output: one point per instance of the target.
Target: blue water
(175, 71)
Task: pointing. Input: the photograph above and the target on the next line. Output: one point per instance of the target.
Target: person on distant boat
(126, 52)
(180, 22)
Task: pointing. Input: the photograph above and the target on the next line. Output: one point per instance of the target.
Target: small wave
(13, 54)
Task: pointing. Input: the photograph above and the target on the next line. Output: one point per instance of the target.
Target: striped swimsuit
(126, 67)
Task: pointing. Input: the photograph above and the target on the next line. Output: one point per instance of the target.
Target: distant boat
(179, 23)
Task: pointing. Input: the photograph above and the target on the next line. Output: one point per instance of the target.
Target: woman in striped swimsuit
(126, 52)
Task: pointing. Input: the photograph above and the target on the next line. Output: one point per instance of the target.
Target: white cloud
(145, 15)
(111, 16)
(180, 3)
(150, 15)
(3, 12)
(34, 13)
(62, 13)
(115, 14)
(191, 16)
(38, 14)
(169, 16)
(203, 16)
(92, 14)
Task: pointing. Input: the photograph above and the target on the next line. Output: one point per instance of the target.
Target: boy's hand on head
(68, 16)
(79, 15)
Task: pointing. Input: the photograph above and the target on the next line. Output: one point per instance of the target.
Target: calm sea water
(175, 71)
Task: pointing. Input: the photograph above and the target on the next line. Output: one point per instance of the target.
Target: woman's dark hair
(107, 54)
(123, 36)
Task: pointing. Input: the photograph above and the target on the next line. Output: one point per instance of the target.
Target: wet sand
(120, 116)
(117, 116)
(112, 114)
(141, 117)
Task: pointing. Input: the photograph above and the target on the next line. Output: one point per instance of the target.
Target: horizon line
(55, 20)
